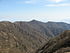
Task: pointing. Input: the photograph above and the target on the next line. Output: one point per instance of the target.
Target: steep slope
(42, 27)
(59, 44)
(14, 39)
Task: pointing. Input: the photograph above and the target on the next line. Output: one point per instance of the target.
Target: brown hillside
(60, 44)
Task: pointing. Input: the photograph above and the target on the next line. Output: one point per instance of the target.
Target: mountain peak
(34, 21)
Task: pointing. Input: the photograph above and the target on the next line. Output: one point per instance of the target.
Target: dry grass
(66, 52)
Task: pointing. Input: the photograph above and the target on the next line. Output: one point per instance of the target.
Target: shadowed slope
(58, 44)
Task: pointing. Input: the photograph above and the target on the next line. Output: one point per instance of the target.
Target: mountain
(19, 38)
(27, 37)
(59, 44)
(57, 28)
(50, 29)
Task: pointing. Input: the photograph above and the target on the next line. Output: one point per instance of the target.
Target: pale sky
(42, 10)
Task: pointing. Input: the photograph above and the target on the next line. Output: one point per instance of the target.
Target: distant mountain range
(27, 37)
(50, 28)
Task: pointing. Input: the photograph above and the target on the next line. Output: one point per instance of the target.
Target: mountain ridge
(27, 37)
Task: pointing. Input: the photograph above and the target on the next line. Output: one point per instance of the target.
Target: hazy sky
(42, 10)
